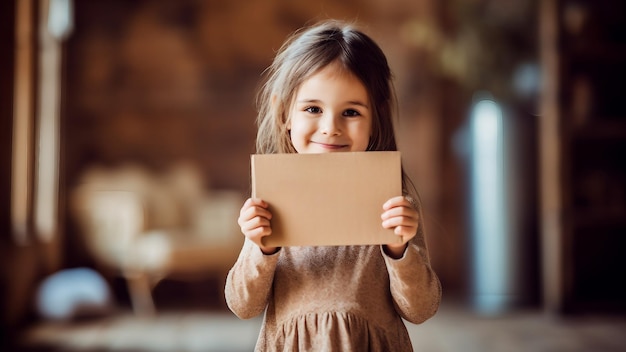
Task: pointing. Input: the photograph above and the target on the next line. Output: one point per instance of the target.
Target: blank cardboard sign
(328, 199)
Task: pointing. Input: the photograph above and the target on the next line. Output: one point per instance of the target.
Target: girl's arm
(414, 286)
(249, 282)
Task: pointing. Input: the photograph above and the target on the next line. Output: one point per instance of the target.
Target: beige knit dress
(349, 298)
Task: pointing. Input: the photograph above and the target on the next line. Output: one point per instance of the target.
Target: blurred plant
(491, 46)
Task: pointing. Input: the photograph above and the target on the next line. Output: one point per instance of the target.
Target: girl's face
(331, 113)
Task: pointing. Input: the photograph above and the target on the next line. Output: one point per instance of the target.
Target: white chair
(124, 232)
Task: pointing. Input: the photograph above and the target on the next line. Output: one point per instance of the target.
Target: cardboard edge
(252, 177)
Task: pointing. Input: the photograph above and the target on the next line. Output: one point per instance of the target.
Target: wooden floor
(452, 329)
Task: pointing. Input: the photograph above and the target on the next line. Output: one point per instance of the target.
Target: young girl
(329, 90)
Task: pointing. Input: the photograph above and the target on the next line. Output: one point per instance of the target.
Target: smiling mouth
(330, 146)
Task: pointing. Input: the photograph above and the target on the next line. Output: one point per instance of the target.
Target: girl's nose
(329, 125)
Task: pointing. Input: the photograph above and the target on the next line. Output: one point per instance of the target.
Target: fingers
(401, 216)
(401, 225)
(256, 226)
(254, 220)
(253, 208)
(399, 201)
(253, 203)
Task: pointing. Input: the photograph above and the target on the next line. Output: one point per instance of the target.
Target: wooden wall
(157, 82)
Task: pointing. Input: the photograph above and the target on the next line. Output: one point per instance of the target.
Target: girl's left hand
(399, 215)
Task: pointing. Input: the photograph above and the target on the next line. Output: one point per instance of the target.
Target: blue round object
(73, 293)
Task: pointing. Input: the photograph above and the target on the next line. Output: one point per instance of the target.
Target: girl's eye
(351, 113)
(313, 110)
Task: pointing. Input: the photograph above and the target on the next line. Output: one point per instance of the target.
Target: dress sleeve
(249, 281)
(414, 286)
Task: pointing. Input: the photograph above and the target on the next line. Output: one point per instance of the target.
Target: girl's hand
(254, 220)
(399, 215)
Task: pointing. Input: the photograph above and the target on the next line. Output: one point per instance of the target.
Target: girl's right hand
(254, 220)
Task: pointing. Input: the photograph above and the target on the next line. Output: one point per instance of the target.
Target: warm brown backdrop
(156, 82)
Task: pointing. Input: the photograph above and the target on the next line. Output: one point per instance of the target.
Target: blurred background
(127, 128)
